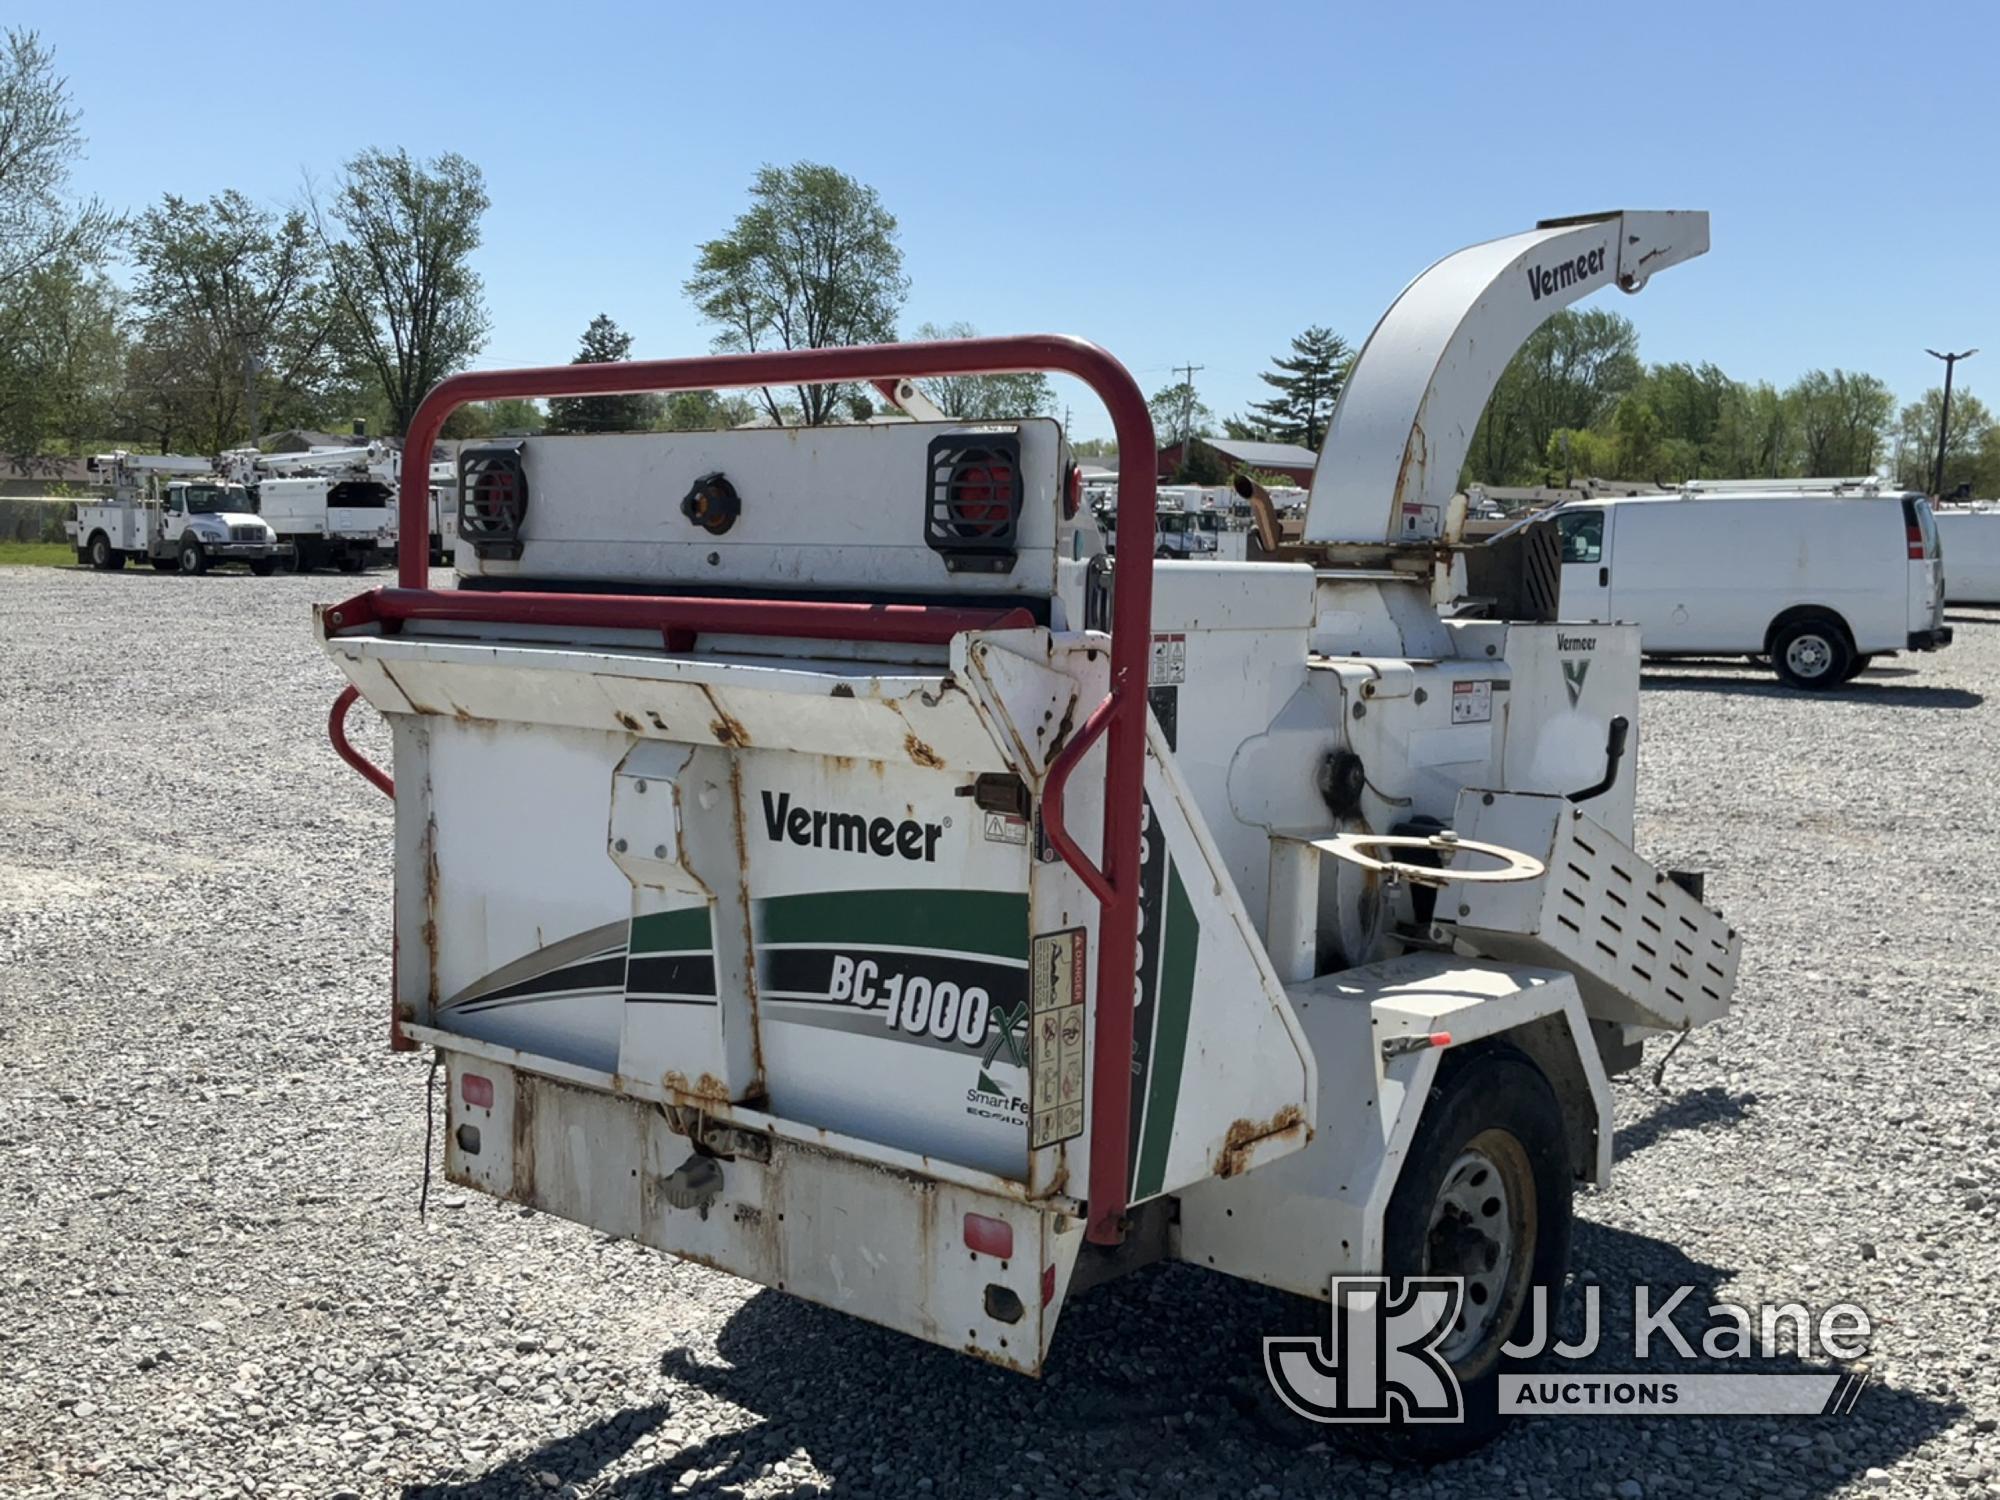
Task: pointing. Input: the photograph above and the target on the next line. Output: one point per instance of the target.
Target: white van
(1970, 536)
(1820, 581)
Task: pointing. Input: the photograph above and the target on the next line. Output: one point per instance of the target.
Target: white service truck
(173, 512)
(443, 512)
(331, 507)
(852, 879)
(1819, 576)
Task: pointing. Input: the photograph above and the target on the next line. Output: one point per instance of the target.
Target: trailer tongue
(814, 859)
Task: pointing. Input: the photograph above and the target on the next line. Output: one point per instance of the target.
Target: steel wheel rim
(1482, 1230)
(1809, 656)
(188, 556)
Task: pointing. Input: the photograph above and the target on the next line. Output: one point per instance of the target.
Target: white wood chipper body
(816, 858)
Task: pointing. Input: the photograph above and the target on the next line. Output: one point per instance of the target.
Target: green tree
(40, 140)
(1094, 447)
(1179, 414)
(812, 263)
(1571, 372)
(603, 342)
(1969, 446)
(61, 370)
(704, 411)
(57, 314)
(1754, 437)
(973, 398)
(236, 296)
(401, 268)
(1839, 420)
(1307, 383)
(510, 417)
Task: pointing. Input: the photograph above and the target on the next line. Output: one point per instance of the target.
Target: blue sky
(1179, 183)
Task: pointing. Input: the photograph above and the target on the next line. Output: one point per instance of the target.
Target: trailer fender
(1297, 1222)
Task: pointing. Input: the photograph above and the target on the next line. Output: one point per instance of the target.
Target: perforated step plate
(1644, 951)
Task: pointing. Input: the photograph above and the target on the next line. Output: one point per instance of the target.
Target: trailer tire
(1492, 1138)
(264, 567)
(348, 563)
(103, 556)
(193, 559)
(1811, 651)
(164, 564)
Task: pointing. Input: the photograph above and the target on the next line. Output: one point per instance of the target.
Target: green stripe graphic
(994, 923)
(671, 931)
(1179, 945)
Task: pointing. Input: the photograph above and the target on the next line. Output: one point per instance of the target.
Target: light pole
(1944, 417)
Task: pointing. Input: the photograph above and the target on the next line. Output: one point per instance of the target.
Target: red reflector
(1048, 1285)
(1073, 501)
(475, 1090)
(986, 1236)
(1440, 1038)
(979, 498)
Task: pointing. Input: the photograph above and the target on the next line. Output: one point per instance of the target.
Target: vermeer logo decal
(849, 833)
(1546, 281)
(1574, 672)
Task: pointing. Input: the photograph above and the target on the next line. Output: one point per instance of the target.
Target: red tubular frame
(1120, 717)
(336, 730)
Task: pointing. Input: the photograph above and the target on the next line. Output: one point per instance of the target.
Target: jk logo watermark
(1381, 1357)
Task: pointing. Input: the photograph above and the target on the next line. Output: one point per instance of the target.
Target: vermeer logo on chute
(1546, 281)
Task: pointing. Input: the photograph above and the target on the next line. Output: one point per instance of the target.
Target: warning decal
(1472, 702)
(1169, 661)
(1056, 1038)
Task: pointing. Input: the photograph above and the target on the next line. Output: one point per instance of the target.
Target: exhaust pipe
(1263, 514)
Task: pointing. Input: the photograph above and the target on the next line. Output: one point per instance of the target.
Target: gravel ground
(213, 1279)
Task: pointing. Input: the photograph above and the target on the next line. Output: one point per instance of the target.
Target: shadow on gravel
(1156, 1385)
(1862, 691)
(582, 1453)
(1672, 1114)
(1964, 619)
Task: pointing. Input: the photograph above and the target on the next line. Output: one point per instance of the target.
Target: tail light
(492, 498)
(972, 512)
(1915, 534)
(1073, 492)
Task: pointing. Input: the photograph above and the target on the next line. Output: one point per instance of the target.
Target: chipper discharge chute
(816, 857)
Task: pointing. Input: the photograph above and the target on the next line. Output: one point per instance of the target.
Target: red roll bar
(1121, 716)
(336, 730)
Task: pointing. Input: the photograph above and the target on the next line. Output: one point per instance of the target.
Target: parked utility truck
(848, 878)
(173, 512)
(331, 507)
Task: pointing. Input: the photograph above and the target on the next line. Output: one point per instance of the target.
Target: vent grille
(972, 513)
(492, 499)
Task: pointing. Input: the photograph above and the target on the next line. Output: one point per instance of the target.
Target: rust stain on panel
(1244, 1136)
(921, 753)
(726, 729)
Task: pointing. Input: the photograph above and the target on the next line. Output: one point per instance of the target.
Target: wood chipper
(816, 858)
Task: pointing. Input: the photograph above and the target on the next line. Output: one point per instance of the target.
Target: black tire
(264, 567)
(348, 563)
(1811, 652)
(1861, 662)
(103, 556)
(1490, 1111)
(193, 558)
(165, 564)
